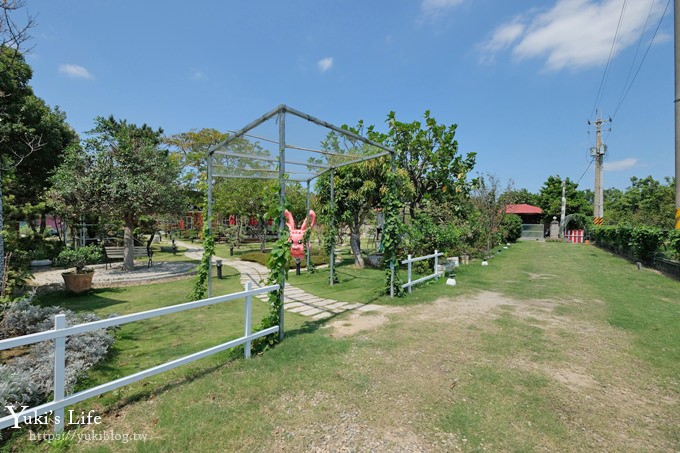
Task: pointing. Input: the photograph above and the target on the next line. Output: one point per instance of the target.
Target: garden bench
(119, 253)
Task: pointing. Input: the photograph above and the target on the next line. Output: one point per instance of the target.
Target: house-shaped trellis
(243, 156)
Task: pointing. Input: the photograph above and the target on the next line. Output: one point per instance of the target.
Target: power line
(643, 59)
(637, 48)
(586, 170)
(609, 59)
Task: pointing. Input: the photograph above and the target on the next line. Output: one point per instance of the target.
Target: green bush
(511, 227)
(674, 243)
(646, 241)
(643, 242)
(425, 236)
(80, 257)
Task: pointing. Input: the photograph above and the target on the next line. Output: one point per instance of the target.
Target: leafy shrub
(29, 377)
(17, 389)
(511, 227)
(80, 257)
(645, 242)
(24, 318)
(425, 236)
(674, 243)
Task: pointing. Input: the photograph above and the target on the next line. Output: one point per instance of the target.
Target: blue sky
(520, 79)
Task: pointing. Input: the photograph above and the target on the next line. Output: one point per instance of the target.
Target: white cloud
(197, 74)
(436, 7)
(620, 165)
(573, 33)
(325, 64)
(503, 36)
(75, 71)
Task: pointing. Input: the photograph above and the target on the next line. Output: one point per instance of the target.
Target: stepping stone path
(295, 299)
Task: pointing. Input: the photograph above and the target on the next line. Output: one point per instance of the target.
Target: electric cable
(623, 98)
(586, 170)
(609, 59)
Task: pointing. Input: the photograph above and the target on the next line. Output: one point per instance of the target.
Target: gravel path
(115, 276)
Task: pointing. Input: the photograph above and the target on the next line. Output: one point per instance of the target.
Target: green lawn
(553, 347)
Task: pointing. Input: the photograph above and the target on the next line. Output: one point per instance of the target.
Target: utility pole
(598, 153)
(677, 113)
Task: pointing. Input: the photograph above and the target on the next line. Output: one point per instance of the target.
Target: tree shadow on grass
(90, 301)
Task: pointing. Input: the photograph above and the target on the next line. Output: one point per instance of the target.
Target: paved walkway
(295, 299)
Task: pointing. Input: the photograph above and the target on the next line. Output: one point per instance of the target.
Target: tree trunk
(263, 235)
(43, 223)
(355, 245)
(238, 231)
(128, 243)
(2, 235)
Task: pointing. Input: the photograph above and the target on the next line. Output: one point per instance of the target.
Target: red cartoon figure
(297, 249)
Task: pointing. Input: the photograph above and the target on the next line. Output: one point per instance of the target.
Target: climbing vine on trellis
(278, 274)
(392, 235)
(306, 238)
(201, 282)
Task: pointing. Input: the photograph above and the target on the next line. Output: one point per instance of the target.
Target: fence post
(435, 265)
(59, 372)
(248, 319)
(408, 260)
(392, 277)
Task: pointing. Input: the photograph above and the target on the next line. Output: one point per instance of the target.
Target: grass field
(552, 347)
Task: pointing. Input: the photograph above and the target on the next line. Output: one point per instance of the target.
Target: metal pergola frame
(280, 112)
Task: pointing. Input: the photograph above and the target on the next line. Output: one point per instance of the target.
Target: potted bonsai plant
(80, 280)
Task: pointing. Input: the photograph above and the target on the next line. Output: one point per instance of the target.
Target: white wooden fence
(61, 331)
(409, 261)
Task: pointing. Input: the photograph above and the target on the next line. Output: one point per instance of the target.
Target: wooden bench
(118, 253)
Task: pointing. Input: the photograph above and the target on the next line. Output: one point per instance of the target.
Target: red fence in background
(575, 236)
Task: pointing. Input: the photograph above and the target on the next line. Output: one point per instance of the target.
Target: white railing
(411, 260)
(61, 331)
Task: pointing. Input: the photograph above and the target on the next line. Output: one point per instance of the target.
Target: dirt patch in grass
(599, 393)
(361, 320)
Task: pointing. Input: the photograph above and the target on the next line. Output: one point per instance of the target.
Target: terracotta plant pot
(78, 283)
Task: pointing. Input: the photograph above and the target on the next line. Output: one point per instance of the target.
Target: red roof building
(522, 209)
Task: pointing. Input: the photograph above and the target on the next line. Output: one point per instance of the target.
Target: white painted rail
(61, 331)
(409, 261)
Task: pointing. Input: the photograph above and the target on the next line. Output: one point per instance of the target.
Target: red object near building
(575, 236)
(232, 220)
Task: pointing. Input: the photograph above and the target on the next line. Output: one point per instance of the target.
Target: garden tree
(429, 155)
(246, 198)
(69, 195)
(126, 176)
(645, 202)
(30, 184)
(523, 196)
(190, 149)
(550, 199)
(357, 190)
(14, 35)
(490, 201)
(20, 110)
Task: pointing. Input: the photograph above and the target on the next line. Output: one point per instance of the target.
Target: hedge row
(642, 242)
